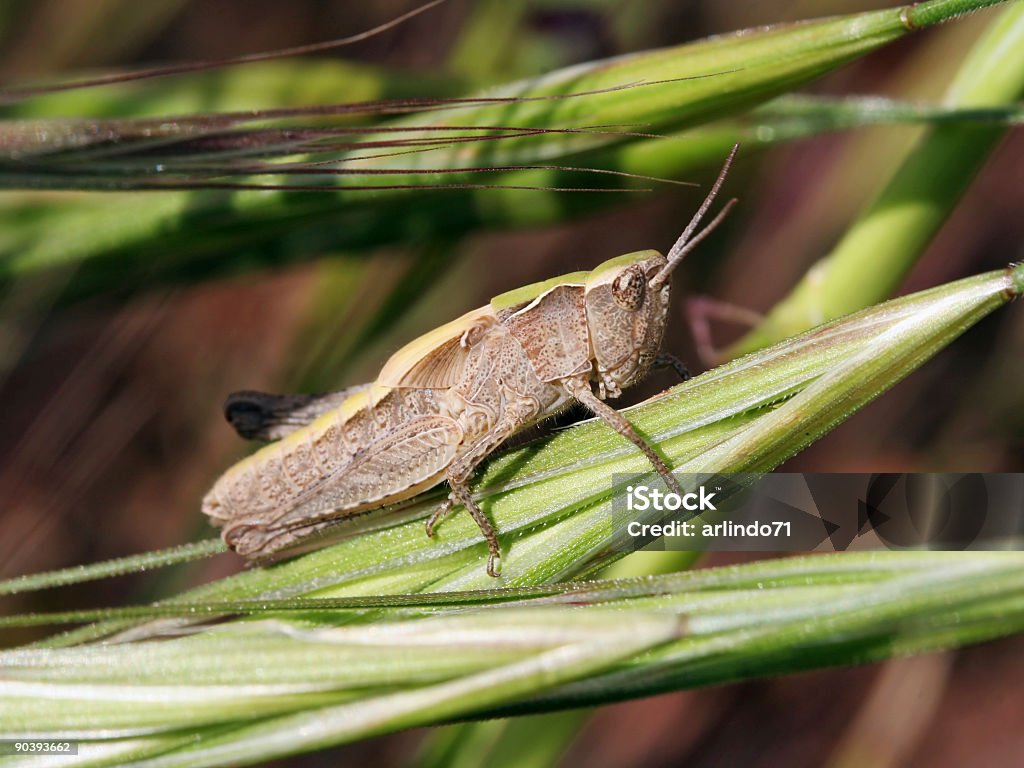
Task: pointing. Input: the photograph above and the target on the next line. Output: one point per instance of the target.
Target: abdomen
(381, 446)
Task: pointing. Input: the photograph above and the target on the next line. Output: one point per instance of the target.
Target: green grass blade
(81, 573)
(249, 691)
(888, 238)
(128, 241)
(897, 617)
(685, 85)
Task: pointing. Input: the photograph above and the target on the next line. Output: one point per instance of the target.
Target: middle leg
(518, 410)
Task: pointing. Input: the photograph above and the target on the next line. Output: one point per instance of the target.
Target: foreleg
(580, 389)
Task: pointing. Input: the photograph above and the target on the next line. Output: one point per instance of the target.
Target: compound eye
(629, 287)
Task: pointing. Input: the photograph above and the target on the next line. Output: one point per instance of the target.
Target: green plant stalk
(792, 572)
(77, 574)
(257, 85)
(887, 239)
(99, 222)
(595, 643)
(896, 618)
(684, 85)
(127, 239)
(538, 741)
(551, 500)
(407, 709)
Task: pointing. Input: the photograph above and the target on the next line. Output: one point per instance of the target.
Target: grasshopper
(448, 399)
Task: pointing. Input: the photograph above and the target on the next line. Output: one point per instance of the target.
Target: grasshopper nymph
(448, 399)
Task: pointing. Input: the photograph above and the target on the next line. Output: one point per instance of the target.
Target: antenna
(688, 241)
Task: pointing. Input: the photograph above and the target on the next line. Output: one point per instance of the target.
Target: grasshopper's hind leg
(460, 493)
(517, 411)
(463, 495)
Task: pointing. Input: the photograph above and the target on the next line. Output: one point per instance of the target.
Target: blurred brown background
(111, 409)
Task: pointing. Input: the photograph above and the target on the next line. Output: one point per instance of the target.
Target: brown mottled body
(447, 400)
(386, 450)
